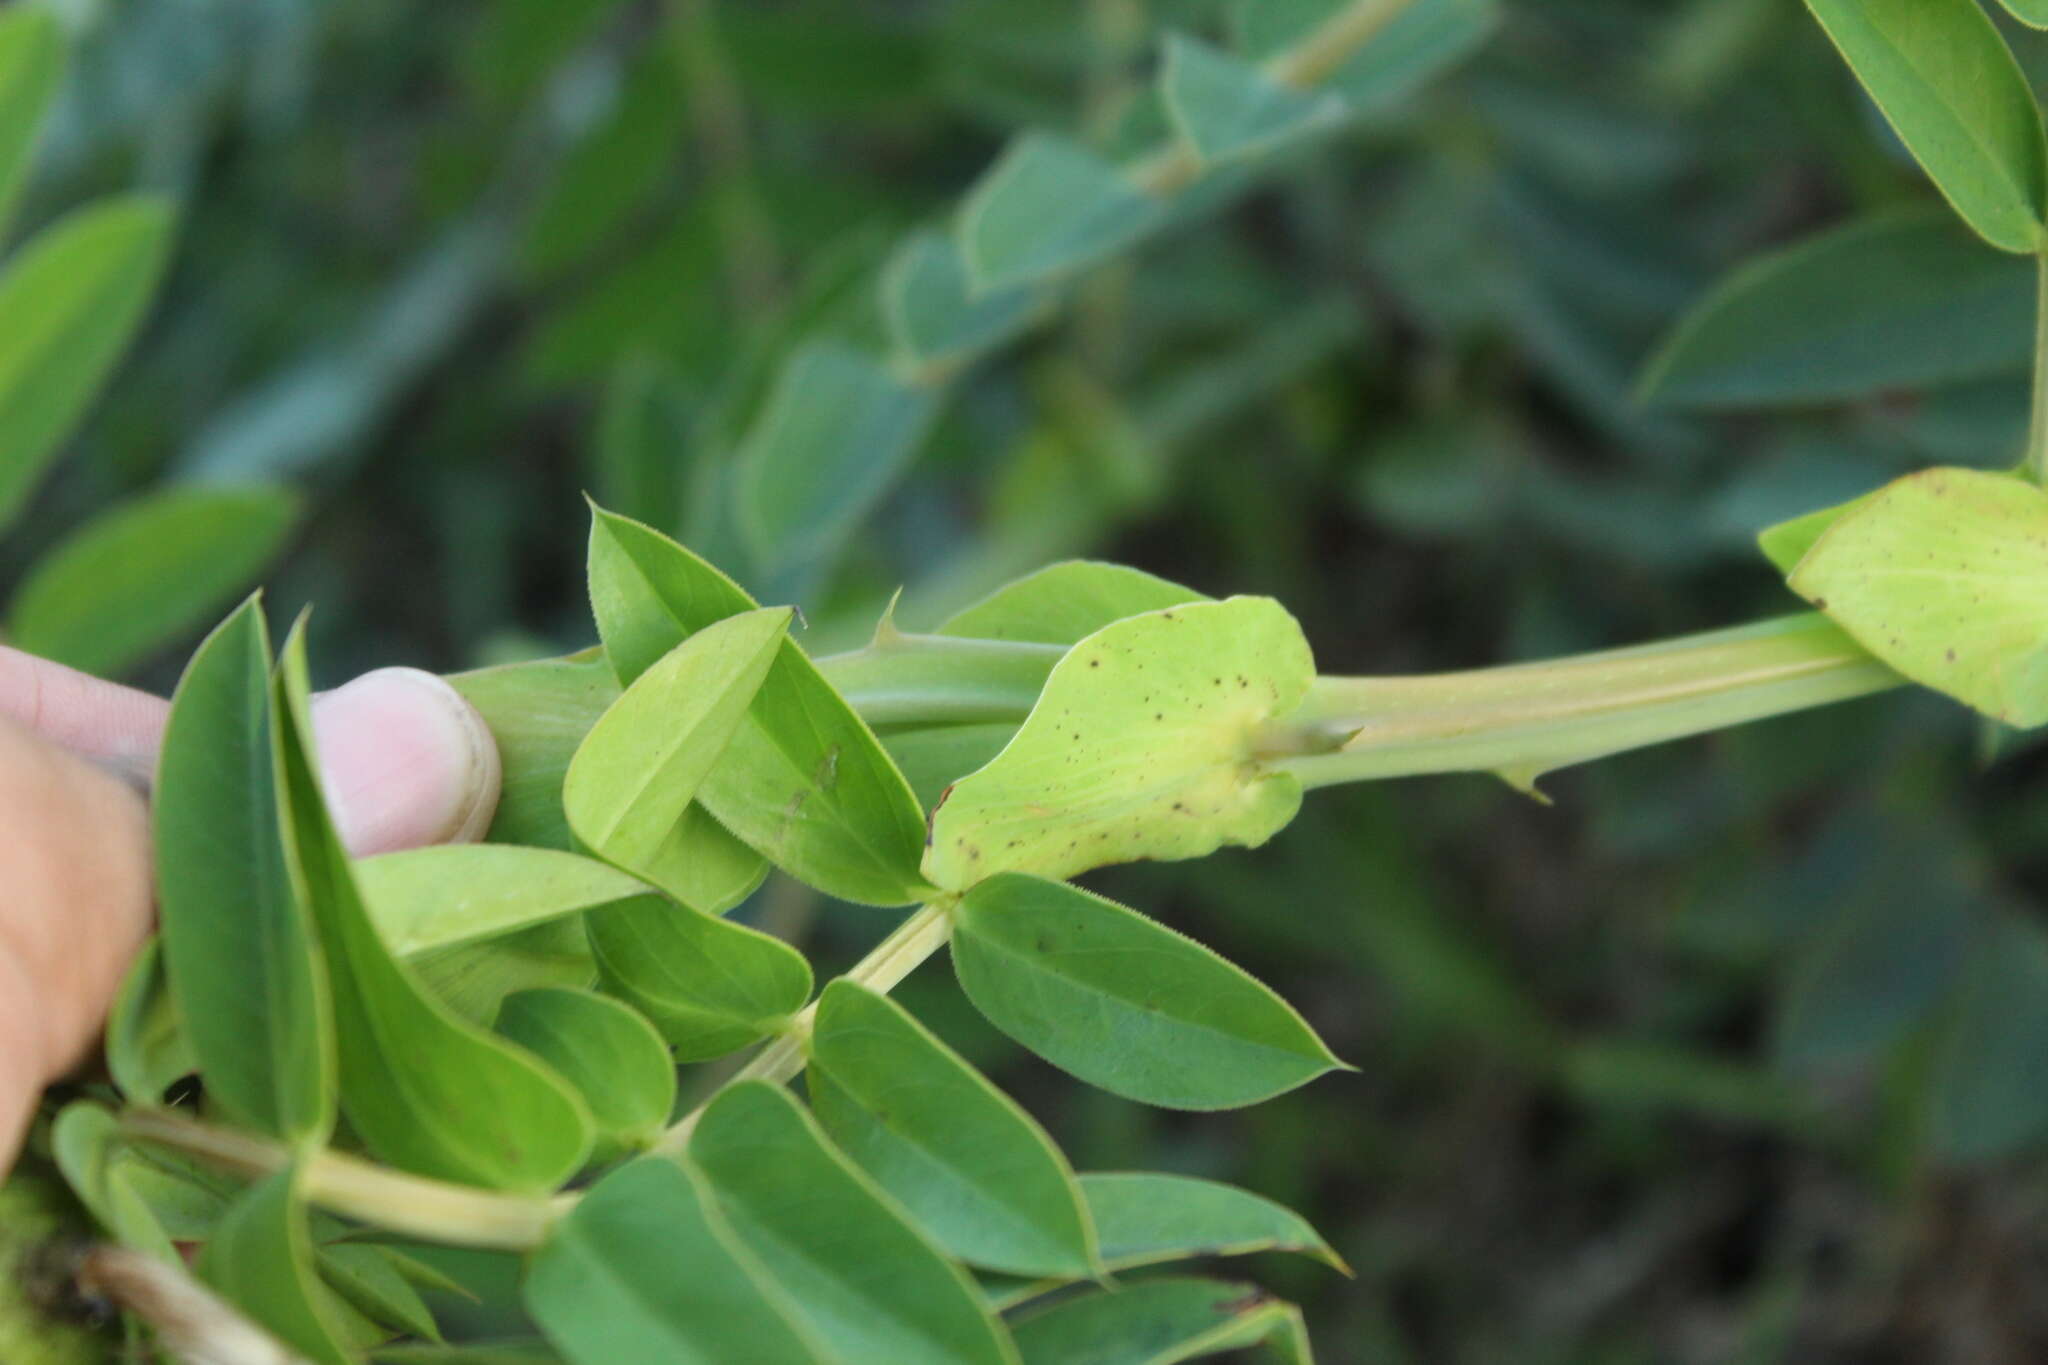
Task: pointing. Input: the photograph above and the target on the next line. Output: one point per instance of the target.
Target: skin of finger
(118, 725)
(74, 859)
(406, 760)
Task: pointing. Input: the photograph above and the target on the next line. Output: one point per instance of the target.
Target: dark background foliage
(1732, 1054)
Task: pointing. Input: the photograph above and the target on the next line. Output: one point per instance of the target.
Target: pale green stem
(1526, 719)
(2037, 420)
(1318, 57)
(409, 1204)
(903, 679)
(882, 970)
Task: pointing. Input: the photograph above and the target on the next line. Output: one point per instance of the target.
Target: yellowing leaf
(1944, 576)
(1141, 746)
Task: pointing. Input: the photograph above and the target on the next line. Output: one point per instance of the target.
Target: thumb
(406, 761)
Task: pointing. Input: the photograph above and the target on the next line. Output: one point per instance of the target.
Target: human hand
(406, 762)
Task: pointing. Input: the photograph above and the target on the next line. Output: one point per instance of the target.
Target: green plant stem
(882, 970)
(2037, 418)
(1527, 719)
(919, 680)
(394, 1200)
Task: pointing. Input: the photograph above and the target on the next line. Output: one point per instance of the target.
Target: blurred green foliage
(1732, 1054)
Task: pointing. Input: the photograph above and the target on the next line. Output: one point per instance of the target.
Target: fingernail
(406, 762)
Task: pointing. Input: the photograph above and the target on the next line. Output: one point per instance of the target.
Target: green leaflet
(933, 759)
(612, 1055)
(2033, 13)
(1226, 108)
(1143, 1218)
(425, 899)
(473, 978)
(1063, 603)
(242, 961)
(1160, 1322)
(804, 781)
(147, 1051)
(645, 1269)
(1049, 207)
(642, 436)
(1898, 299)
(935, 318)
(1141, 746)
(367, 1279)
(86, 1142)
(861, 1277)
(260, 1258)
(607, 177)
(1943, 575)
(836, 433)
(423, 1088)
(633, 780)
(72, 299)
(1787, 543)
(1985, 1101)
(1125, 1003)
(540, 713)
(134, 578)
(1949, 86)
(31, 65)
(710, 986)
(976, 1172)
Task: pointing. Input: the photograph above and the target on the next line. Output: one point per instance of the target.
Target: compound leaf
(804, 781)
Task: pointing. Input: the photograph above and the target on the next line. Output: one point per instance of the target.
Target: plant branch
(1527, 719)
(882, 970)
(394, 1200)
